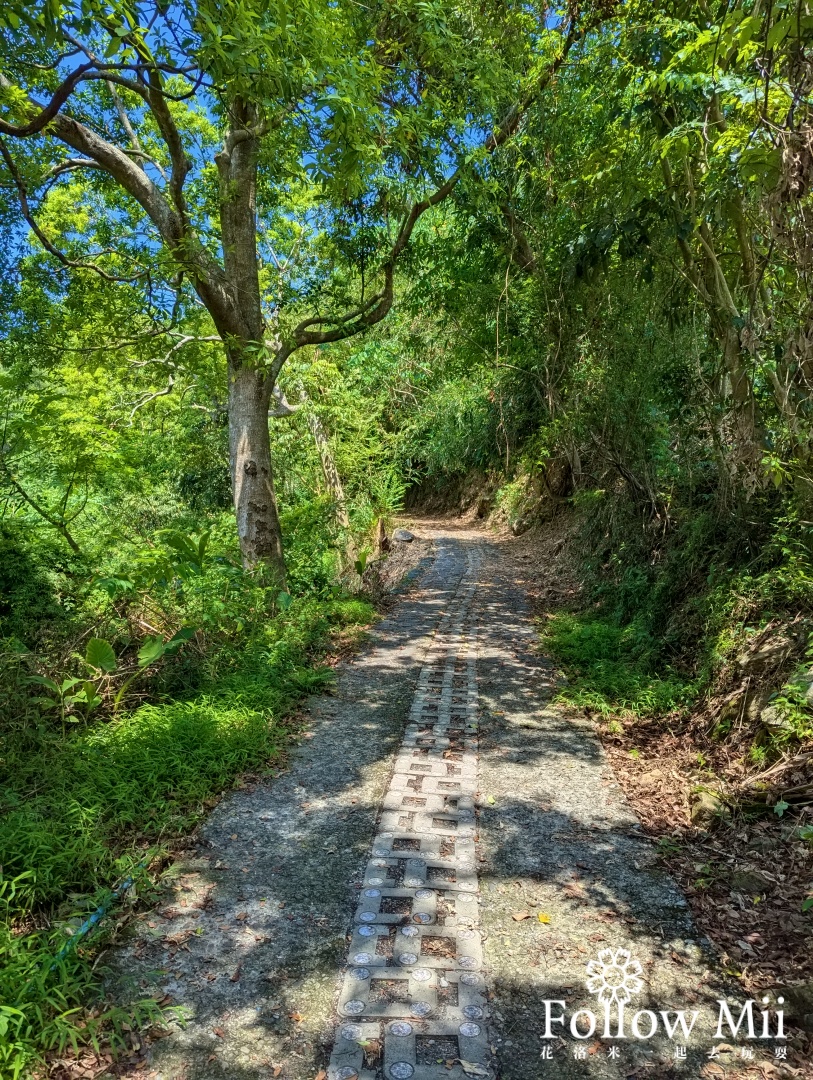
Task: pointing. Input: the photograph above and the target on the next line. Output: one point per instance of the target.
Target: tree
(274, 156)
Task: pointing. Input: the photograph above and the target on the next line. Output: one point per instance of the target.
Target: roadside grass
(612, 669)
(81, 811)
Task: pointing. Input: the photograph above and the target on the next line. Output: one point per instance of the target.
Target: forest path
(372, 829)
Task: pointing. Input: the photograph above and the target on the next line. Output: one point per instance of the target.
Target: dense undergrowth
(130, 698)
(657, 631)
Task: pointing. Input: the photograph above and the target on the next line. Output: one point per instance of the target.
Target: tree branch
(523, 253)
(61, 526)
(49, 111)
(172, 137)
(124, 119)
(379, 306)
(22, 195)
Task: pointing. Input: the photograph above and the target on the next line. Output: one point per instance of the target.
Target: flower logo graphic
(614, 977)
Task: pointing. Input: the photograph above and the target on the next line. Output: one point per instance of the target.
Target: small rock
(774, 719)
(707, 808)
(520, 526)
(749, 882)
(403, 536)
(767, 655)
(798, 1004)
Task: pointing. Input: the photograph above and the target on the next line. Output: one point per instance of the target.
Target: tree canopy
(274, 157)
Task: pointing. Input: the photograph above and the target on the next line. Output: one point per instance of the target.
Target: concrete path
(407, 902)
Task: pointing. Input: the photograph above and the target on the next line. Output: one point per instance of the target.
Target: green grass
(612, 669)
(79, 812)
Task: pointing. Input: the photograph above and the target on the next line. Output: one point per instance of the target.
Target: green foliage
(613, 310)
(45, 999)
(78, 812)
(611, 668)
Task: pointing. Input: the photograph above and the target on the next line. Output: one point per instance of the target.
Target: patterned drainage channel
(413, 1004)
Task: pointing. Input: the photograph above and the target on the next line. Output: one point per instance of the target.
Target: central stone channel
(413, 1000)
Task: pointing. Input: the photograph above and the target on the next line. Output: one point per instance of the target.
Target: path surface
(446, 852)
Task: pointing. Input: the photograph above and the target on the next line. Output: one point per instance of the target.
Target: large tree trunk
(255, 504)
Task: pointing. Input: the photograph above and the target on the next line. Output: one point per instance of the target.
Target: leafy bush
(79, 811)
(611, 668)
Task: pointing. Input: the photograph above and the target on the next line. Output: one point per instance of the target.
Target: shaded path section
(252, 932)
(558, 840)
(408, 899)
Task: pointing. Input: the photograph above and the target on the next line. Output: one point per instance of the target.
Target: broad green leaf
(41, 680)
(177, 640)
(99, 654)
(779, 31)
(152, 649)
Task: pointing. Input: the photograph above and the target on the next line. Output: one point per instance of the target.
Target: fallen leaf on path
(236, 975)
(241, 916)
(234, 836)
(221, 1034)
(518, 916)
(543, 917)
(296, 1017)
(180, 938)
(473, 1068)
(321, 1075)
(491, 800)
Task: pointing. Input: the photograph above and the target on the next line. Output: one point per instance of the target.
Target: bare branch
(379, 306)
(523, 253)
(186, 339)
(60, 524)
(147, 398)
(172, 137)
(70, 165)
(283, 407)
(124, 119)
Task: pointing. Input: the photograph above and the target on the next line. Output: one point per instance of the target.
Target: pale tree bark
(321, 441)
(250, 386)
(255, 504)
(329, 469)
